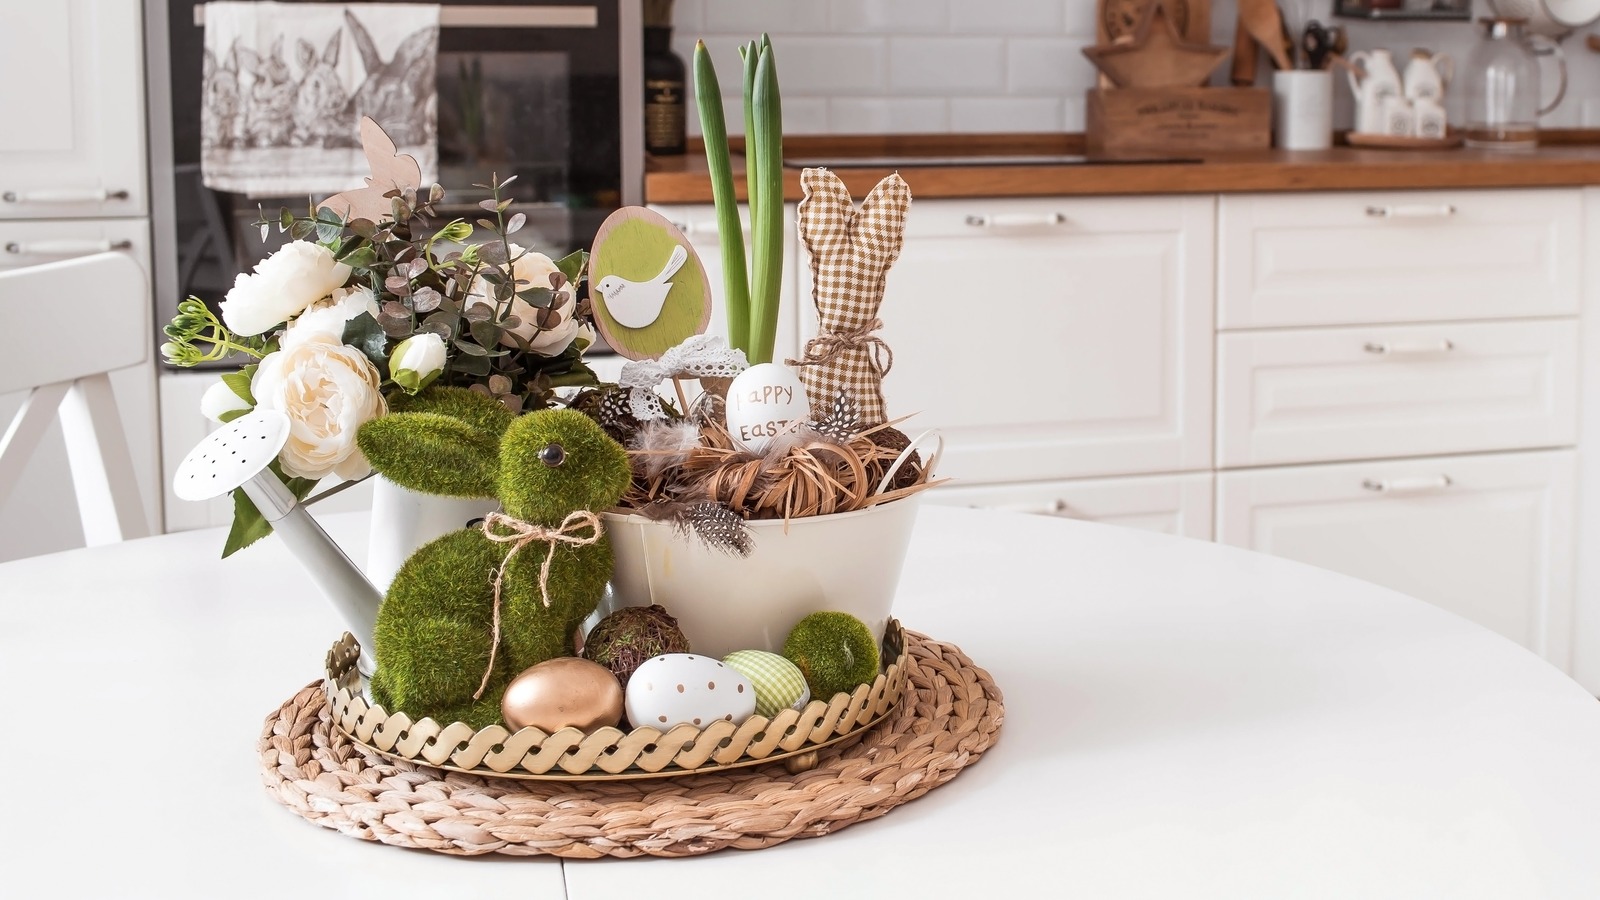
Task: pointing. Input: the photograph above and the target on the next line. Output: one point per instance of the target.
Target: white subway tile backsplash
(805, 115)
(1007, 16)
(888, 115)
(1004, 114)
(1072, 113)
(1047, 65)
(924, 66)
(772, 16)
(832, 65)
(889, 16)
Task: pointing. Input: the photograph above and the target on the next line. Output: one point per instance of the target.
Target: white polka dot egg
(687, 688)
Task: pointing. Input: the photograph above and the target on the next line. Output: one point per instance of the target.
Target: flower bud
(417, 361)
(219, 400)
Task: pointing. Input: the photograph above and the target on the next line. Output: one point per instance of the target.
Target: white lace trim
(701, 356)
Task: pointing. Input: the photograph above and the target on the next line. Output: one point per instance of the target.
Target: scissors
(1318, 42)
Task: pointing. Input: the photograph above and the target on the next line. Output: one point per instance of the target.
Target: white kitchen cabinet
(1487, 537)
(698, 222)
(1322, 394)
(1053, 338)
(1398, 256)
(73, 103)
(1170, 504)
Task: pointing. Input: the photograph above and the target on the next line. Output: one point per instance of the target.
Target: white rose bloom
(535, 269)
(328, 390)
(219, 400)
(283, 286)
(417, 361)
(329, 315)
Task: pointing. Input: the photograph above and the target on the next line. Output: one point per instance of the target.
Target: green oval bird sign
(649, 290)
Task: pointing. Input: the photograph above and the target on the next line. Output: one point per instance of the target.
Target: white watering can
(238, 455)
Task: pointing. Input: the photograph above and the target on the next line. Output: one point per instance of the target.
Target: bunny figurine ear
(649, 289)
(851, 252)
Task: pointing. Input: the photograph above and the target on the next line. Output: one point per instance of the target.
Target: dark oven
(547, 91)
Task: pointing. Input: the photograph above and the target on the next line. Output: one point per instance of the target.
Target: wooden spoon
(1264, 22)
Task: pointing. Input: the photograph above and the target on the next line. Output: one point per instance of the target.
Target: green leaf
(573, 264)
(239, 383)
(360, 257)
(232, 414)
(365, 334)
(579, 375)
(471, 349)
(249, 525)
(539, 297)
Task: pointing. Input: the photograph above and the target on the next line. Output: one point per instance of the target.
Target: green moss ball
(835, 651)
(623, 640)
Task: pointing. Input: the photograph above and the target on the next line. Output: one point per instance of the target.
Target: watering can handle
(933, 461)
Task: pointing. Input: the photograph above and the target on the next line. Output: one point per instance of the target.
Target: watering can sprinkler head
(240, 455)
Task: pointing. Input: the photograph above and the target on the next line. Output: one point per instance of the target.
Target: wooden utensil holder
(1193, 119)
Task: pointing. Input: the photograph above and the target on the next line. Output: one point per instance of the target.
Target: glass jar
(1500, 82)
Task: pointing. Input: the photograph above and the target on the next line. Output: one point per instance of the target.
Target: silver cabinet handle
(1015, 220)
(1057, 507)
(1412, 211)
(1407, 485)
(64, 195)
(66, 248)
(575, 16)
(1392, 348)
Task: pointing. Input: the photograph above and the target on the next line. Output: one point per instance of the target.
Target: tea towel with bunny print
(851, 252)
(285, 87)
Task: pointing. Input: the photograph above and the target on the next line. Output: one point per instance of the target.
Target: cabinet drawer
(1486, 537)
(31, 243)
(1333, 259)
(1364, 393)
(1170, 504)
(1059, 338)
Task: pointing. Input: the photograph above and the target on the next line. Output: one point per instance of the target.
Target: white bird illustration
(635, 304)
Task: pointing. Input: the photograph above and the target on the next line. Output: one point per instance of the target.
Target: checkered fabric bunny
(851, 252)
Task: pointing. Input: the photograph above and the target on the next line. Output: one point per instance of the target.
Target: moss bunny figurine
(469, 611)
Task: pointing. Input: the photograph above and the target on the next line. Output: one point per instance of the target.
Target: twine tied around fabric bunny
(521, 535)
(851, 252)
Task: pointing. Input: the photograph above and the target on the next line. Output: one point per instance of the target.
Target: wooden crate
(1178, 119)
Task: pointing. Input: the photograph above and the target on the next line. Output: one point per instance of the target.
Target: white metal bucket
(848, 562)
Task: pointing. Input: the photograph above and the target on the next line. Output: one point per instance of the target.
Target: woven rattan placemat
(950, 714)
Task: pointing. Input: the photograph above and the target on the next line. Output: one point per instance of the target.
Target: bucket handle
(905, 455)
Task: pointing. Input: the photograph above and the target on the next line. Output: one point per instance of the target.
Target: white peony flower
(219, 400)
(329, 315)
(417, 361)
(328, 390)
(283, 286)
(535, 269)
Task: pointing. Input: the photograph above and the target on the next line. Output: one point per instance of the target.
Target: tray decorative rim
(1369, 141)
(610, 754)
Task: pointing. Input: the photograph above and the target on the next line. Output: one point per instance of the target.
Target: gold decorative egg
(560, 693)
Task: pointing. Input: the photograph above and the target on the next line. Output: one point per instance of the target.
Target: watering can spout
(239, 455)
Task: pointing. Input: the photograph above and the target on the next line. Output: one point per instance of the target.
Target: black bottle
(664, 87)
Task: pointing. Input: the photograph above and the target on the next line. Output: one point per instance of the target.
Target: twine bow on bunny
(520, 535)
(851, 252)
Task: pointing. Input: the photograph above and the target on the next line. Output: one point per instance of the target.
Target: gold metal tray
(793, 736)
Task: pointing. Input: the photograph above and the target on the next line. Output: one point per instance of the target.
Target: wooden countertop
(1565, 158)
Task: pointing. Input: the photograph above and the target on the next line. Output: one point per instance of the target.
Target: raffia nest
(808, 475)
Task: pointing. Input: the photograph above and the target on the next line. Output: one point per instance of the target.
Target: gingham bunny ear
(881, 224)
(825, 208)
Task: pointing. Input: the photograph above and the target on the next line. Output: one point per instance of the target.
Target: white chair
(63, 326)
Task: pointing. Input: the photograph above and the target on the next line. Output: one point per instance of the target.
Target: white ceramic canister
(1302, 109)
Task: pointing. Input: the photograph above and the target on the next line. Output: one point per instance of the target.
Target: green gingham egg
(778, 682)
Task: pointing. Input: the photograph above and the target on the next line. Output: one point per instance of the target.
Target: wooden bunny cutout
(851, 252)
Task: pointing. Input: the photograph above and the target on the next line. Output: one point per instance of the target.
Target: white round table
(1182, 720)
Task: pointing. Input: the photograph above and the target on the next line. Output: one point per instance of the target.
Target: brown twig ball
(623, 640)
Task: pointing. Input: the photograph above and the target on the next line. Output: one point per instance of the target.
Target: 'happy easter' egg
(764, 401)
(778, 682)
(678, 688)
